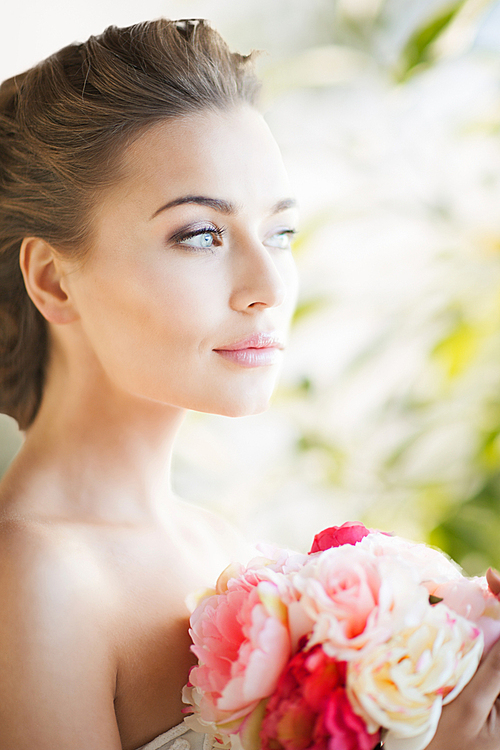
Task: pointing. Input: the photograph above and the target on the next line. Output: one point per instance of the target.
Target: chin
(240, 407)
(241, 411)
(251, 401)
(235, 399)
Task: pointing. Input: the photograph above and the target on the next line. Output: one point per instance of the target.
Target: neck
(104, 453)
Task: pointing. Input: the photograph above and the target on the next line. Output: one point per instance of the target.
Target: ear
(45, 281)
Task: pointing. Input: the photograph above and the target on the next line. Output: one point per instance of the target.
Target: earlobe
(45, 282)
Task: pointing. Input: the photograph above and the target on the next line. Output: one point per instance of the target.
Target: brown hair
(63, 125)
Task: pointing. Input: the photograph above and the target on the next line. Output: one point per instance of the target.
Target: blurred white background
(388, 115)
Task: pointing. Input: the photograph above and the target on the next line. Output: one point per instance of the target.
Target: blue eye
(204, 238)
(281, 240)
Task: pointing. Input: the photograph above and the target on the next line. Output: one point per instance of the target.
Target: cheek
(139, 319)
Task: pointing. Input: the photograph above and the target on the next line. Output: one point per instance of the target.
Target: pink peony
(310, 710)
(280, 560)
(350, 532)
(242, 643)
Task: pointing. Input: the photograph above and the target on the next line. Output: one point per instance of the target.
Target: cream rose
(402, 684)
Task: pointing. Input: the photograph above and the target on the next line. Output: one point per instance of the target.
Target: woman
(145, 270)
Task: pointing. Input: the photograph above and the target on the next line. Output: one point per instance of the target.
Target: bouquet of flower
(367, 636)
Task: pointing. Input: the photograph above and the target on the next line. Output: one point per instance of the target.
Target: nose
(257, 281)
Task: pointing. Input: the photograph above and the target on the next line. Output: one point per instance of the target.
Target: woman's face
(187, 293)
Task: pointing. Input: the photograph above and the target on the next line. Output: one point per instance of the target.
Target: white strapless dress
(180, 737)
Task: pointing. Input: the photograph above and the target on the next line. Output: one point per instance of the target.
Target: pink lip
(255, 341)
(257, 350)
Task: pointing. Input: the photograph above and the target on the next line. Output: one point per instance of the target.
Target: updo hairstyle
(63, 126)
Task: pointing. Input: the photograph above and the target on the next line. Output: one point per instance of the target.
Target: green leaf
(435, 599)
(417, 50)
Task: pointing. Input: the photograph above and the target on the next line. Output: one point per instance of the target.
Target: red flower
(309, 709)
(349, 533)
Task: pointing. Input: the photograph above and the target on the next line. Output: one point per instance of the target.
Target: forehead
(231, 154)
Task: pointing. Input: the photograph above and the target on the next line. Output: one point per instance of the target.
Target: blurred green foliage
(455, 507)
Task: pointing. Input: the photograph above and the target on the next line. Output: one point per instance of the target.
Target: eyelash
(216, 232)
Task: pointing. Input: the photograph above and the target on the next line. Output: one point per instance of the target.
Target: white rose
(402, 684)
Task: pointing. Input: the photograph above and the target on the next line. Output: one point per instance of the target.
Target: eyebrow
(218, 204)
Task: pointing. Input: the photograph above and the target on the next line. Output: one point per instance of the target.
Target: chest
(153, 663)
(149, 631)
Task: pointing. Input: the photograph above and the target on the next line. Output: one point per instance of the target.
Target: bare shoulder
(42, 562)
(56, 668)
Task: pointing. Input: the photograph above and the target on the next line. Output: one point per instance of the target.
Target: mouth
(258, 350)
